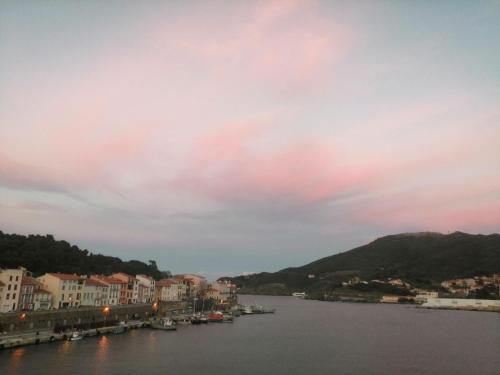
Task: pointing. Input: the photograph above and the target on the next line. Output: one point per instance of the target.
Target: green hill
(420, 258)
(41, 254)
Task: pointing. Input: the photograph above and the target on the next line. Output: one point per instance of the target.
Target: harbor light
(22, 316)
(106, 310)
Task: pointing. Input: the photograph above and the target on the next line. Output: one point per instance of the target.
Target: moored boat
(164, 324)
(299, 294)
(216, 317)
(227, 318)
(247, 309)
(119, 329)
(76, 335)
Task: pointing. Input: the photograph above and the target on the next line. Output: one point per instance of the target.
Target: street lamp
(105, 311)
(155, 308)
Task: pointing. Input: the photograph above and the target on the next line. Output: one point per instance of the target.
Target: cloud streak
(286, 129)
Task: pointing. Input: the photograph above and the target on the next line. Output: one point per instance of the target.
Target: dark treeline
(41, 254)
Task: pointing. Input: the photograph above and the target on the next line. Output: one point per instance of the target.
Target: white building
(462, 304)
(147, 287)
(95, 293)
(66, 288)
(195, 284)
(170, 290)
(42, 299)
(11, 278)
(114, 286)
(423, 295)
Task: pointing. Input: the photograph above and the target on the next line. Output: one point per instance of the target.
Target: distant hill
(421, 258)
(41, 254)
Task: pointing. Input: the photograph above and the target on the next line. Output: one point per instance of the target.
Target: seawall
(88, 317)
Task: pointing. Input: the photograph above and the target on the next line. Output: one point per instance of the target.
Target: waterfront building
(42, 299)
(462, 304)
(12, 279)
(147, 287)
(114, 288)
(423, 295)
(389, 299)
(2, 285)
(132, 287)
(195, 284)
(27, 295)
(222, 291)
(169, 290)
(66, 288)
(95, 293)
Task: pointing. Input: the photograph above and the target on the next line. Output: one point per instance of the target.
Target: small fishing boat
(164, 324)
(182, 319)
(216, 317)
(119, 329)
(76, 335)
(299, 294)
(196, 319)
(247, 310)
(227, 318)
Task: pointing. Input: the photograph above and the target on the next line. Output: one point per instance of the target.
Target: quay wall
(462, 304)
(50, 319)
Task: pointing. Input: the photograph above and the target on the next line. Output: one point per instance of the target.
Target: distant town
(20, 291)
(474, 293)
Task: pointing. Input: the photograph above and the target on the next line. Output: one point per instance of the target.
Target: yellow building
(9, 298)
(66, 289)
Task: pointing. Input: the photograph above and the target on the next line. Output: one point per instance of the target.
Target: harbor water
(302, 337)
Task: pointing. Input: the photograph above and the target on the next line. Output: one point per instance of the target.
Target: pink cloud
(229, 165)
(282, 45)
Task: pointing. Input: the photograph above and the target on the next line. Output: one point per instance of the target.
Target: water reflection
(102, 349)
(16, 357)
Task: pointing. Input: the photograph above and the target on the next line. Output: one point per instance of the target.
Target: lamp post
(105, 311)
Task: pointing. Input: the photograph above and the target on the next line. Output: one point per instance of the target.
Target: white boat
(76, 335)
(247, 309)
(299, 294)
(164, 324)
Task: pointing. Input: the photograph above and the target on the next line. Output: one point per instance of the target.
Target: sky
(224, 137)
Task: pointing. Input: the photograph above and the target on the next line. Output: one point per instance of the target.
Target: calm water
(303, 337)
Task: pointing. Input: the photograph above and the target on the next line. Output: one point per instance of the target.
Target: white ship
(299, 294)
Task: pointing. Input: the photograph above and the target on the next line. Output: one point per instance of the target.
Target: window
(10, 278)
(14, 296)
(63, 287)
(9, 287)
(17, 278)
(8, 296)
(62, 296)
(15, 286)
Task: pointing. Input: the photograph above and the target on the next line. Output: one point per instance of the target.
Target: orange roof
(112, 280)
(166, 282)
(27, 280)
(66, 276)
(94, 282)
